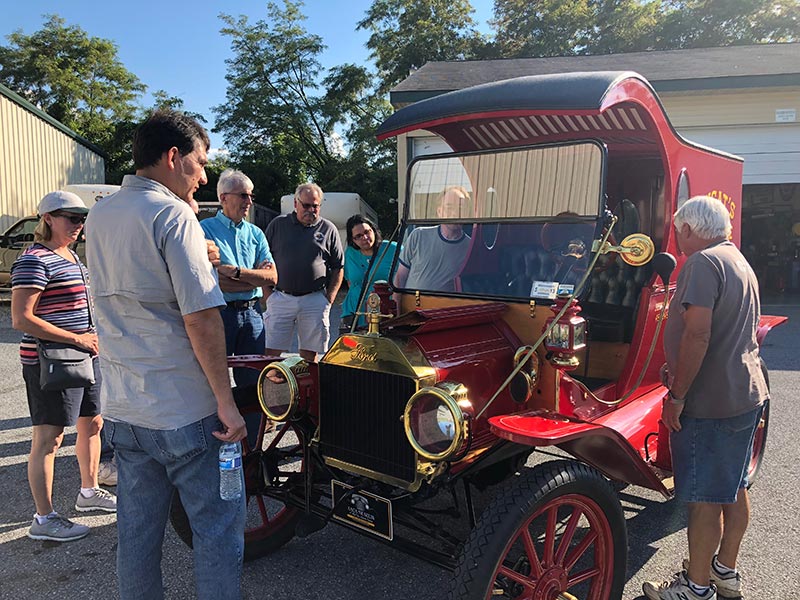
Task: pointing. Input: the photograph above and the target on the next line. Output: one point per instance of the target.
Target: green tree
(77, 79)
(405, 34)
(574, 27)
(119, 146)
(543, 28)
(286, 120)
(624, 26)
(714, 23)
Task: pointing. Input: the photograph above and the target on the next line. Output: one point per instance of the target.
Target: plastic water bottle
(230, 471)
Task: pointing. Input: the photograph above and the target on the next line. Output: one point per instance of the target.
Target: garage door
(771, 153)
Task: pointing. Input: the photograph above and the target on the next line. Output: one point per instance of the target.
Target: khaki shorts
(309, 315)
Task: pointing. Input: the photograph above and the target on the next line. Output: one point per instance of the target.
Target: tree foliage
(287, 120)
(714, 23)
(405, 34)
(575, 27)
(119, 146)
(75, 78)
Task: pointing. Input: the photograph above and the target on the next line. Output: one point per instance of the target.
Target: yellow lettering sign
(726, 200)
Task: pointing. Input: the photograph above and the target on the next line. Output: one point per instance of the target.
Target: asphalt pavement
(338, 564)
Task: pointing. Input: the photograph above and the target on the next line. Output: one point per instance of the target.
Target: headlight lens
(278, 392)
(435, 423)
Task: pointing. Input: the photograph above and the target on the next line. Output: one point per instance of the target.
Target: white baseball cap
(61, 200)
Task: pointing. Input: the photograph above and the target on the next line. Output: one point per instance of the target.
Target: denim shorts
(710, 457)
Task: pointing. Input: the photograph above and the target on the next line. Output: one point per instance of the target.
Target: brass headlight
(278, 392)
(436, 420)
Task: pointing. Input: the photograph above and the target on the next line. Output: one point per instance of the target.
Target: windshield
(512, 224)
(528, 183)
(496, 259)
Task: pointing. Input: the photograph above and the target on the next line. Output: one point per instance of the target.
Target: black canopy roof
(563, 91)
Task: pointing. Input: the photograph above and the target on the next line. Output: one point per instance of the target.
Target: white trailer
(337, 207)
(91, 192)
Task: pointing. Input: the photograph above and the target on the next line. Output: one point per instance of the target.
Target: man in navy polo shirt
(245, 266)
(309, 258)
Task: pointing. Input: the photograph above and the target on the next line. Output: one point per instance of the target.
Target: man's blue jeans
(244, 334)
(152, 464)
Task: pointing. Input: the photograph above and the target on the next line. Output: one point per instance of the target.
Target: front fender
(597, 445)
(766, 323)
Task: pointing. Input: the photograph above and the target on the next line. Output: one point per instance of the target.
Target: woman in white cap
(50, 301)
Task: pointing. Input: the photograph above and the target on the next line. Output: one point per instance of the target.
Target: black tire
(566, 498)
(270, 523)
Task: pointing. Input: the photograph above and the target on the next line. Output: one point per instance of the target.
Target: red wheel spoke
(519, 578)
(278, 437)
(262, 509)
(550, 535)
(569, 533)
(577, 578)
(533, 556)
(579, 550)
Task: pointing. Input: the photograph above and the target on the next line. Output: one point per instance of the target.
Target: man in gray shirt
(309, 258)
(166, 393)
(716, 394)
(432, 257)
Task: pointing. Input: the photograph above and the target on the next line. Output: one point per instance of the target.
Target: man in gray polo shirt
(309, 258)
(166, 393)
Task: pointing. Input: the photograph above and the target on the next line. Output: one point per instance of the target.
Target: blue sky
(177, 47)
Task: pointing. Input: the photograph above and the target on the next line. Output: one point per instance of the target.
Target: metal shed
(38, 155)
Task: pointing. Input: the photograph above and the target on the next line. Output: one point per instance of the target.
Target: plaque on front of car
(363, 510)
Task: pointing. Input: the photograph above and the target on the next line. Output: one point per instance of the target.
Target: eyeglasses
(309, 206)
(362, 236)
(242, 195)
(74, 219)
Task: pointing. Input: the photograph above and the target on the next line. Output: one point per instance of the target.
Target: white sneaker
(728, 586)
(107, 473)
(100, 500)
(677, 589)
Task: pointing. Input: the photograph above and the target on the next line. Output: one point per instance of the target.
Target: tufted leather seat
(518, 268)
(612, 298)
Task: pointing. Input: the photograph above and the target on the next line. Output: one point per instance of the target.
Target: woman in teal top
(365, 251)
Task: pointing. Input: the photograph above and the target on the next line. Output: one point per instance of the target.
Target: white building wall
(761, 126)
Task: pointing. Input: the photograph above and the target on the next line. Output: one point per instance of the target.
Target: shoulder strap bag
(63, 366)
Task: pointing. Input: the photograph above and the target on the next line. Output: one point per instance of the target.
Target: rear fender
(596, 445)
(766, 323)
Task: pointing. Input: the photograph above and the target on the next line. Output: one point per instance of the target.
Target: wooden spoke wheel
(557, 533)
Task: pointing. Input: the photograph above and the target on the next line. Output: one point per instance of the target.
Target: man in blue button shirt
(245, 267)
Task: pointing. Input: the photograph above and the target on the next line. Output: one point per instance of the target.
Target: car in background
(19, 236)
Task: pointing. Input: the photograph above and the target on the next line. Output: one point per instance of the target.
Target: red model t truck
(547, 335)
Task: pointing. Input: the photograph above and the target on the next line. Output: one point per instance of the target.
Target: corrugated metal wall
(36, 158)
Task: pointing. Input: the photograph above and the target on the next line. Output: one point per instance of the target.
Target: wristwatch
(237, 274)
(673, 399)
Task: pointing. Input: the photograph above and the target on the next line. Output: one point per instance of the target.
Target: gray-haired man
(309, 257)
